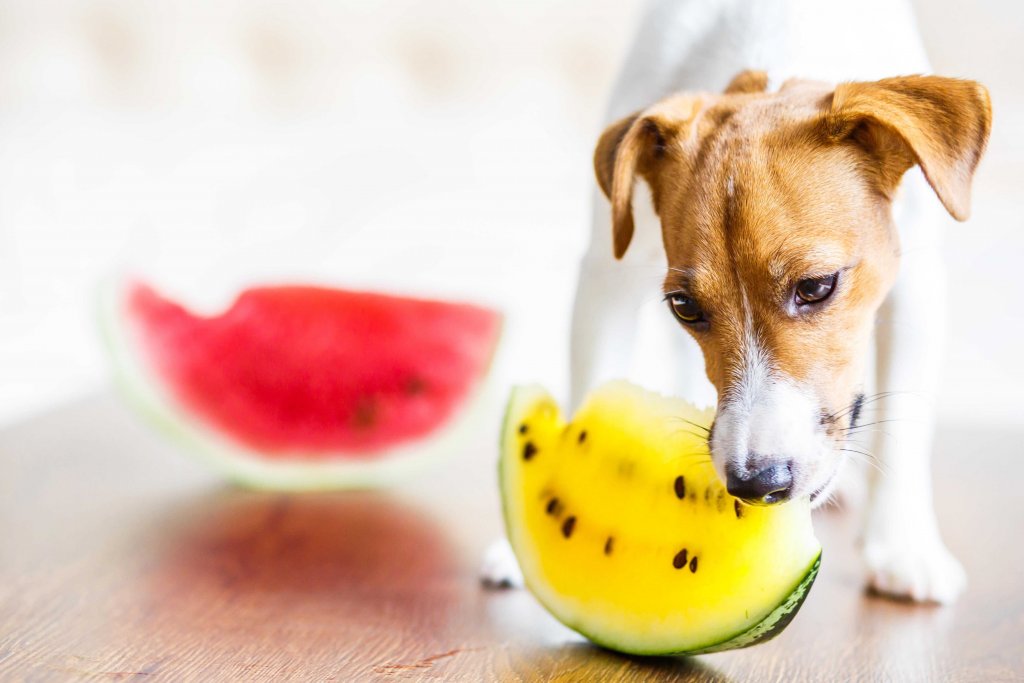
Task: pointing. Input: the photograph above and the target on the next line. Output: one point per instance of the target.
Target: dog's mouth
(826, 488)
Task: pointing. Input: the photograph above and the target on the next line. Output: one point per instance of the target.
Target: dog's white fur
(700, 45)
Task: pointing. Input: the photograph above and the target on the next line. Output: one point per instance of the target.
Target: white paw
(500, 568)
(923, 571)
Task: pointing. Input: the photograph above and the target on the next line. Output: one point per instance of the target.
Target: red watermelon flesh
(327, 373)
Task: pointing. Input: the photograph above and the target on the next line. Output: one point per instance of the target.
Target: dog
(788, 182)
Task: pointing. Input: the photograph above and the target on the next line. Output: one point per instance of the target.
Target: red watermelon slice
(303, 387)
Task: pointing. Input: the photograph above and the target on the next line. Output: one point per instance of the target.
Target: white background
(435, 148)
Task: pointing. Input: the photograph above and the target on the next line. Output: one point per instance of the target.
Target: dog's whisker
(868, 426)
(878, 422)
(696, 435)
(858, 447)
(867, 431)
(693, 424)
(875, 398)
(863, 454)
(694, 458)
(867, 460)
(866, 401)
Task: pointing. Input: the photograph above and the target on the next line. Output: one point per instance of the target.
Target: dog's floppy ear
(607, 150)
(941, 124)
(634, 146)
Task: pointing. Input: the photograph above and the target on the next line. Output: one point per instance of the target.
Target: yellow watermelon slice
(625, 534)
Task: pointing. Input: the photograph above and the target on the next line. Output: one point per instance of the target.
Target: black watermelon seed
(366, 413)
(679, 561)
(608, 546)
(739, 510)
(415, 386)
(680, 487)
(529, 450)
(693, 565)
(568, 526)
(552, 506)
(523, 428)
(582, 437)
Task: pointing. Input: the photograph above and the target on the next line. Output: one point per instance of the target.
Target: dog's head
(775, 214)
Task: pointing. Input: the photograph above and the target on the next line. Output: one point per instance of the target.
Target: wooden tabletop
(122, 560)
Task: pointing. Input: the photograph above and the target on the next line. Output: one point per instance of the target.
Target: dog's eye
(685, 309)
(816, 289)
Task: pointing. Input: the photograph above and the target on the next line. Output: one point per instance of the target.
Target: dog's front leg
(903, 549)
(609, 295)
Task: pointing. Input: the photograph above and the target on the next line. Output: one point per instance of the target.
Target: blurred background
(432, 148)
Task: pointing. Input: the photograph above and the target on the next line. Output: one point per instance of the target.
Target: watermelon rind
(295, 471)
(772, 625)
(767, 628)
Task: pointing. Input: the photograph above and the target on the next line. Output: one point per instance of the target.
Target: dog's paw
(500, 568)
(918, 571)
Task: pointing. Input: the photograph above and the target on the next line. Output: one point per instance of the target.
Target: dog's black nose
(773, 484)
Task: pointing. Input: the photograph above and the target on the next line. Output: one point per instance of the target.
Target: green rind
(247, 468)
(772, 625)
(776, 622)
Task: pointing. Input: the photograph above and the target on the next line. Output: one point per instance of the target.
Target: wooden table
(122, 560)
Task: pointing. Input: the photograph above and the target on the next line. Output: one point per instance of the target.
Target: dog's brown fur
(756, 191)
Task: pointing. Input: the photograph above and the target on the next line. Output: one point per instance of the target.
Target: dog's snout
(772, 484)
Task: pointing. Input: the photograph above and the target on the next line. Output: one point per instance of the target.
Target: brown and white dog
(792, 249)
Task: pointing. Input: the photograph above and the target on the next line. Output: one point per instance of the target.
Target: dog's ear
(941, 124)
(625, 151)
(607, 150)
(636, 146)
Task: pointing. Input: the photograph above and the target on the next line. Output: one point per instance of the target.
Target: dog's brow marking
(815, 262)
(683, 280)
(731, 213)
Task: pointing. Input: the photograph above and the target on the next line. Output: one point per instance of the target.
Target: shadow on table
(349, 557)
(586, 662)
(538, 647)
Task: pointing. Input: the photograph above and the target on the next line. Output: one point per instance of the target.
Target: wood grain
(121, 560)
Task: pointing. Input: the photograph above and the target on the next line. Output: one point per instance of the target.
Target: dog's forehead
(757, 114)
(764, 197)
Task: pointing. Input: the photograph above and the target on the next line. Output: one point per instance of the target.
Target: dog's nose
(773, 484)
